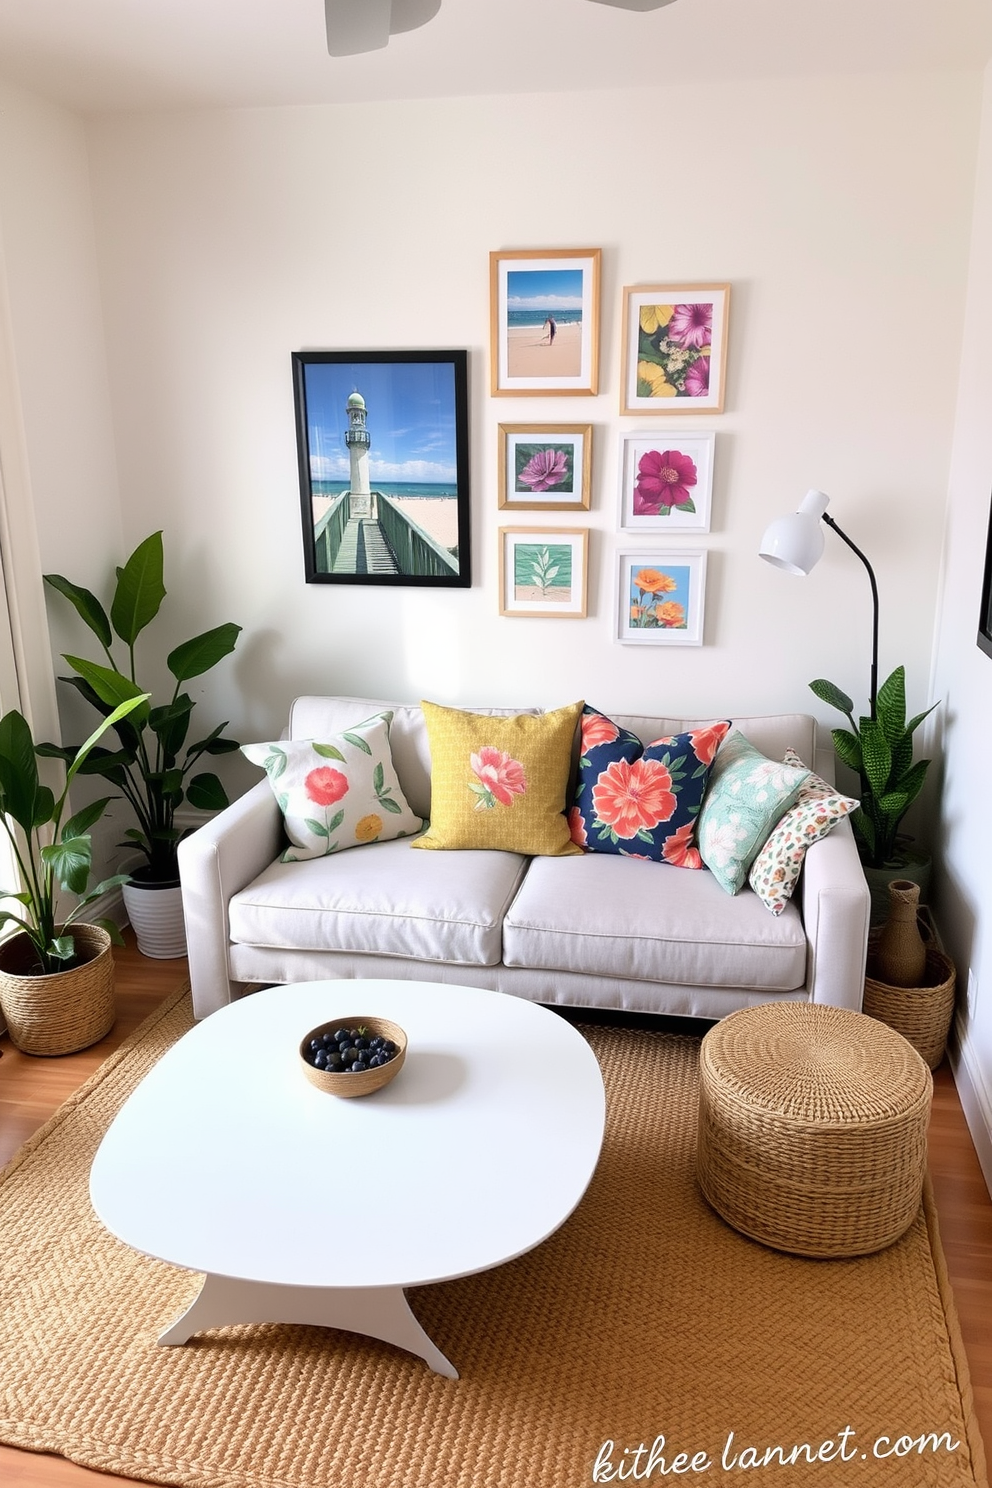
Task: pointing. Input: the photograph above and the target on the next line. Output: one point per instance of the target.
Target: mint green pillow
(745, 799)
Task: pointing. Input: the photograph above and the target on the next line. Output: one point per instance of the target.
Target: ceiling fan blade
(634, 4)
(409, 14)
(355, 26)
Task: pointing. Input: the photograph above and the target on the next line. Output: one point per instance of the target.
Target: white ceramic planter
(156, 916)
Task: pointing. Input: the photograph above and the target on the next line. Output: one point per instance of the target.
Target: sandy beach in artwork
(529, 355)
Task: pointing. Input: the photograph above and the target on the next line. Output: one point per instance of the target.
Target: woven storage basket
(812, 1128)
(66, 1010)
(921, 1014)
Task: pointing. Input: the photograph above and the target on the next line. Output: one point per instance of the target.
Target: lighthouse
(358, 440)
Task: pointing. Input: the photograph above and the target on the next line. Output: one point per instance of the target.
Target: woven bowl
(366, 1081)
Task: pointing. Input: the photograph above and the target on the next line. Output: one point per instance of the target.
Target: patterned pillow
(819, 807)
(338, 793)
(637, 800)
(500, 781)
(747, 795)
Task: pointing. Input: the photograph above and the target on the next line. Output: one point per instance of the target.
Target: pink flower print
(634, 797)
(663, 479)
(545, 469)
(577, 827)
(678, 849)
(324, 786)
(691, 325)
(706, 741)
(596, 730)
(697, 379)
(498, 778)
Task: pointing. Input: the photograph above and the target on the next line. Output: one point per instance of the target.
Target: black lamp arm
(873, 691)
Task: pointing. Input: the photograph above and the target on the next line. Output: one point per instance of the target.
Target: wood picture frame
(382, 449)
(544, 322)
(674, 348)
(543, 572)
(545, 467)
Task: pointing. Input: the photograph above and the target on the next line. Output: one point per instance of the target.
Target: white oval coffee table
(302, 1207)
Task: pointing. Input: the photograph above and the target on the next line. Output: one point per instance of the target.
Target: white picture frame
(666, 481)
(661, 597)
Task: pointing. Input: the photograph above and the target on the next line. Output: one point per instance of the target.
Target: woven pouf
(812, 1128)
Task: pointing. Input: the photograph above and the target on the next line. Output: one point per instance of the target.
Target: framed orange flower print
(660, 598)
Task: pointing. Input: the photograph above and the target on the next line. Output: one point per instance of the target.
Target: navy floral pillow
(641, 800)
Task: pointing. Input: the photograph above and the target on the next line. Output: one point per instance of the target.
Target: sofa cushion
(747, 795)
(638, 800)
(649, 922)
(775, 871)
(383, 900)
(500, 783)
(336, 792)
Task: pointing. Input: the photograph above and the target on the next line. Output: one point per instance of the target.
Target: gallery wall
(228, 240)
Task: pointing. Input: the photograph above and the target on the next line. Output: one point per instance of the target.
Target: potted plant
(153, 765)
(56, 973)
(880, 749)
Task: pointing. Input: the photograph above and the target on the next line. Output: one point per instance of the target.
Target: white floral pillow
(819, 807)
(746, 795)
(336, 793)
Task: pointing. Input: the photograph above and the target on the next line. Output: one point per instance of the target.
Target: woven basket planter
(65, 1010)
(921, 1014)
(812, 1133)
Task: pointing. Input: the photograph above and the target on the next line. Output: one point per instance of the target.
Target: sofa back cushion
(314, 717)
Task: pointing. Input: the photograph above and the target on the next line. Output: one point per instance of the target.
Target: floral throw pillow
(819, 807)
(338, 792)
(637, 800)
(500, 781)
(746, 796)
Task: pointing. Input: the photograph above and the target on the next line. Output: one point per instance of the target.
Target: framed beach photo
(382, 445)
(544, 321)
(666, 481)
(545, 467)
(674, 348)
(660, 598)
(543, 572)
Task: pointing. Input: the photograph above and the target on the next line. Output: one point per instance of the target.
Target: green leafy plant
(50, 854)
(880, 749)
(153, 762)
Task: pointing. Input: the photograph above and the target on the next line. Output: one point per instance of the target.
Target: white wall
(963, 678)
(839, 210)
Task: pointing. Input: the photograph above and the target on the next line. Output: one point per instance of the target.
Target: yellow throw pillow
(500, 782)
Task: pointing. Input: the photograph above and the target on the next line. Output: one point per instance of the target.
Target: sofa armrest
(835, 908)
(215, 861)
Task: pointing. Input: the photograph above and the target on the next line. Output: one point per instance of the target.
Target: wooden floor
(32, 1089)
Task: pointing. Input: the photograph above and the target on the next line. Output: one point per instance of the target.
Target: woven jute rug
(643, 1323)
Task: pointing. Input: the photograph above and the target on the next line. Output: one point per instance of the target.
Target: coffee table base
(378, 1312)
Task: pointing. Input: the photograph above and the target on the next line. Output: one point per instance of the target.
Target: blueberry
(361, 1043)
(333, 1059)
(314, 1045)
(377, 1042)
(341, 1034)
(348, 1055)
(320, 1059)
(359, 1067)
(388, 1047)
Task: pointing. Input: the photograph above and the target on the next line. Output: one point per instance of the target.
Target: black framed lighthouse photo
(382, 445)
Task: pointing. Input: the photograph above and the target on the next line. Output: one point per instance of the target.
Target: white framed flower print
(666, 481)
(660, 598)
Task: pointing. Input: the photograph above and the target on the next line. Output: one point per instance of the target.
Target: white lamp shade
(795, 542)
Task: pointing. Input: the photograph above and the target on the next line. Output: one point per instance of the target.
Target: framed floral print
(674, 348)
(544, 322)
(545, 467)
(543, 572)
(660, 598)
(666, 482)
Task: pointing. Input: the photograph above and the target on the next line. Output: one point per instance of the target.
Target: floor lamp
(795, 543)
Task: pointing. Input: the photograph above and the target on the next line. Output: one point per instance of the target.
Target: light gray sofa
(596, 931)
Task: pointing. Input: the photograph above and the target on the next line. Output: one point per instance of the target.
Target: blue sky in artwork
(544, 289)
(410, 418)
